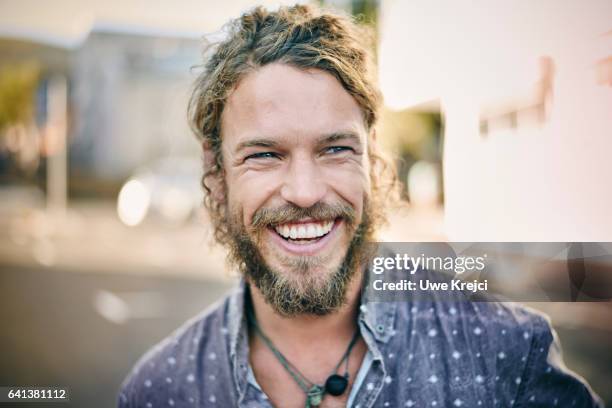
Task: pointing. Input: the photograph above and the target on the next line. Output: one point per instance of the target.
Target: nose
(303, 184)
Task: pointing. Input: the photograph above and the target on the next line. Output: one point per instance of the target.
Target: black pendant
(336, 384)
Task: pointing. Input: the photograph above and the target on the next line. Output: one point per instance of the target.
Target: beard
(301, 287)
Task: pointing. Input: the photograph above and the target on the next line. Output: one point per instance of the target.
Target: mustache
(265, 217)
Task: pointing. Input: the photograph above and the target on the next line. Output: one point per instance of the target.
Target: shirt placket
(376, 326)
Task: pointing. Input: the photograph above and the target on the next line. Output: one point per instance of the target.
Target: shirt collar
(238, 339)
(236, 316)
(378, 317)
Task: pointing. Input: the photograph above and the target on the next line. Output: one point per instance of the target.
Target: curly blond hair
(303, 36)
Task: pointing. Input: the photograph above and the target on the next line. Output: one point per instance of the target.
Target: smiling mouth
(304, 232)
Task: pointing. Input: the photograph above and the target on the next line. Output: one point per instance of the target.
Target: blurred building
(127, 95)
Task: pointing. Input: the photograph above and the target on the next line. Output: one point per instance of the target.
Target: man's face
(294, 147)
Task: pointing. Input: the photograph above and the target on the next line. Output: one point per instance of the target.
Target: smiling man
(297, 171)
(286, 109)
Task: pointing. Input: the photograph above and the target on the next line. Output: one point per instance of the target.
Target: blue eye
(338, 149)
(262, 155)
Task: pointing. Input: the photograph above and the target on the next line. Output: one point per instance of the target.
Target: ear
(372, 137)
(213, 182)
(373, 134)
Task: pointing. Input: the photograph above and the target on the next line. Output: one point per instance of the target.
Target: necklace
(334, 385)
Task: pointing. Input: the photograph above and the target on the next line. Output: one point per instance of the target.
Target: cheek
(251, 192)
(351, 184)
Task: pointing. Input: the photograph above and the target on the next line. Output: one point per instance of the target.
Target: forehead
(281, 101)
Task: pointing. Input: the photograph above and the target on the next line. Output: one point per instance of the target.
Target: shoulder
(515, 347)
(506, 331)
(516, 321)
(173, 366)
(497, 320)
(546, 380)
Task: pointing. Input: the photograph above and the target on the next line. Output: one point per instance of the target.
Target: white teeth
(304, 231)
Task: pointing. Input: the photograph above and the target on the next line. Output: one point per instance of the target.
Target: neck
(306, 329)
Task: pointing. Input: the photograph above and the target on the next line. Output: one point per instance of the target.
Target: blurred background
(498, 115)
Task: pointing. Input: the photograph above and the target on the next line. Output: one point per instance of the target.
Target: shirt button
(380, 328)
(363, 308)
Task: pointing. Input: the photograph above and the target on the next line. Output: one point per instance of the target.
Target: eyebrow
(338, 136)
(330, 138)
(255, 143)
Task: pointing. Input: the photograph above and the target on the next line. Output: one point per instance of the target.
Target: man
(286, 109)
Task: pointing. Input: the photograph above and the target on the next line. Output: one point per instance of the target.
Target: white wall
(546, 181)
